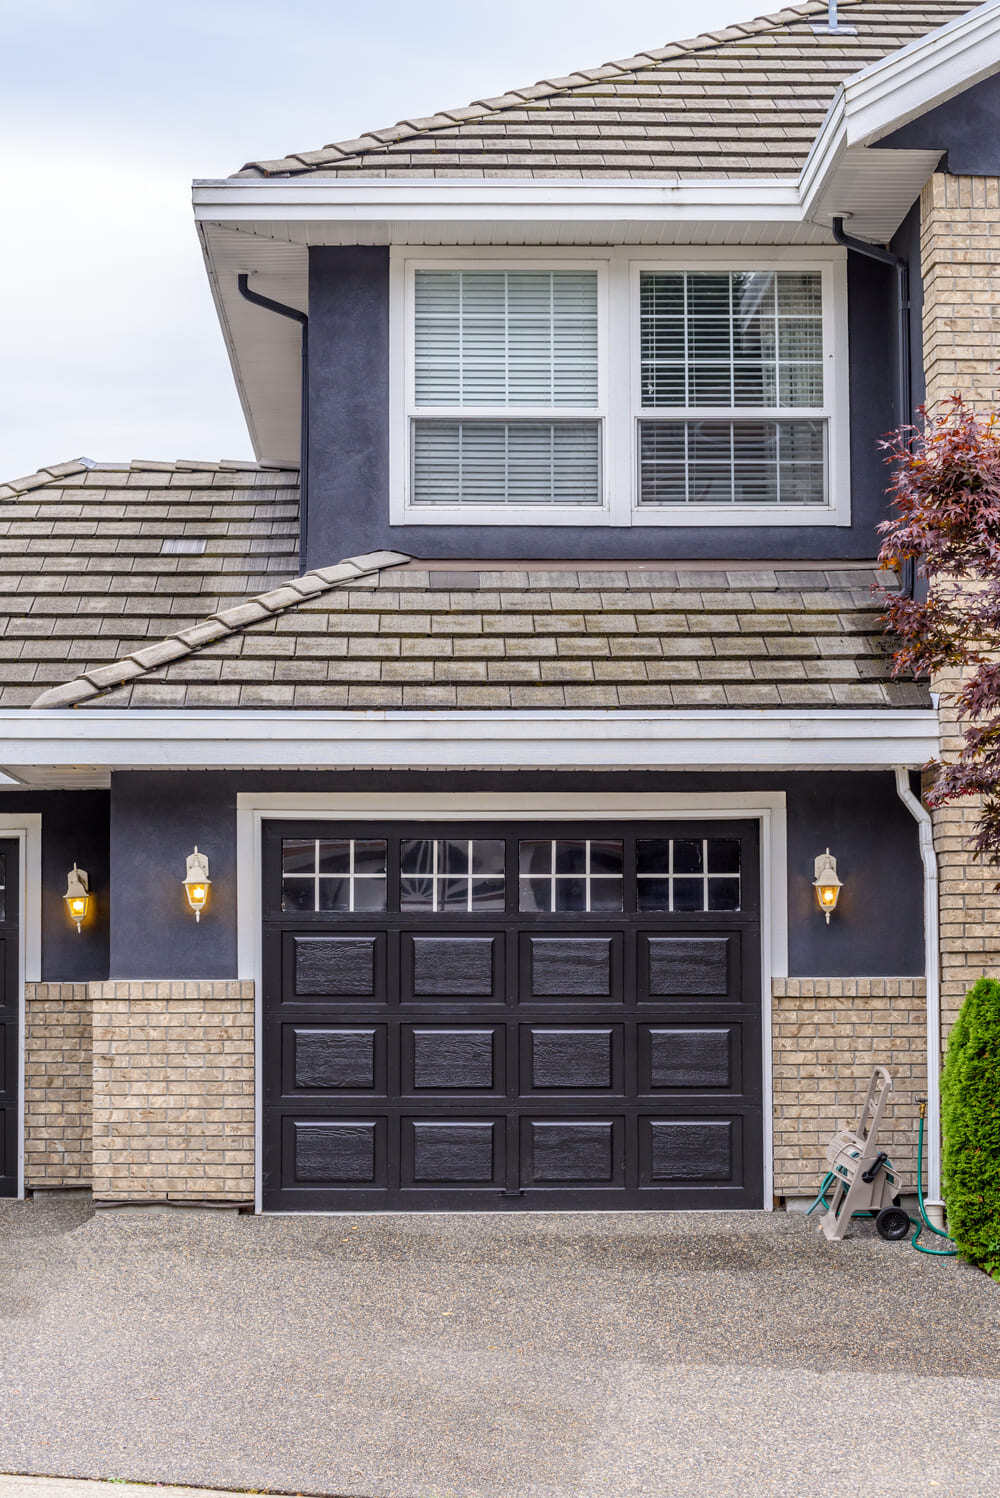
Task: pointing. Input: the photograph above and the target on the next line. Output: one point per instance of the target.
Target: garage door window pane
(333, 875)
(688, 874)
(452, 874)
(574, 875)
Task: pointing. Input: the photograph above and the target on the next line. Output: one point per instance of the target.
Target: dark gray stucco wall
(966, 128)
(349, 440)
(157, 818)
(906, 242)
(348, 402)
(74, 830)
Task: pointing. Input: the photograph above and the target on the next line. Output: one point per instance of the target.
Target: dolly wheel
(892, 1223)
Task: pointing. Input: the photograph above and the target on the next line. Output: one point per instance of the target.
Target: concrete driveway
(549, 1356)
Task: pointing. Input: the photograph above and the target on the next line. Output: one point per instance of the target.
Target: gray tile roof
(409, 635)
(742, 101)
(99, 559)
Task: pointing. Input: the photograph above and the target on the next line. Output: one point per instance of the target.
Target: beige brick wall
(828, 1034)
(970, 930)
(57, 1085)
(173, 1091)
(960, 253)
(960, 257)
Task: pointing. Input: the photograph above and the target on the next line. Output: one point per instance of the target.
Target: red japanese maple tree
(945, 489)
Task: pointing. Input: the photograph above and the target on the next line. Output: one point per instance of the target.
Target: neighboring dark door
(9, 988)
(559, 1015)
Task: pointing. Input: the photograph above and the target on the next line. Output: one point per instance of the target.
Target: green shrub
(970, 1115)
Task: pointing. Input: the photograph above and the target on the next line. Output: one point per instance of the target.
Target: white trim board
(717, 739)
(25, 828)
(766, 807)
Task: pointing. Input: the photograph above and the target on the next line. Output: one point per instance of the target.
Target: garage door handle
(507, 1192)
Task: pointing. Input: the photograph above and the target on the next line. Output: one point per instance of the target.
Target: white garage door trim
(767, 807)
(25, 828)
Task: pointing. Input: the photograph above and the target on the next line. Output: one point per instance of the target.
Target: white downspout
(932, 960)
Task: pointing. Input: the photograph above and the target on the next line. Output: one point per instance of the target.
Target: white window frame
(832, 267)
(619, 409)
(404, 265)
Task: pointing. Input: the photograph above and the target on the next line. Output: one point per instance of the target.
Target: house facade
(433, 814)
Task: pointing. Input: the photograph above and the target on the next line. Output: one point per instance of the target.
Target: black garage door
(511, 1016)
(8, 1017)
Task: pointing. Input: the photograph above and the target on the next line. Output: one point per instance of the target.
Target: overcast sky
(109, 344)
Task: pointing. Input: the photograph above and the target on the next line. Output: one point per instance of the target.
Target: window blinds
(743, 342)
(506, 338)
(506, 462)
(517, 341)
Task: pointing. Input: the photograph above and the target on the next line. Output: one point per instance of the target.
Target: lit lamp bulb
(77, 896)
(196, 882)
(826, 883)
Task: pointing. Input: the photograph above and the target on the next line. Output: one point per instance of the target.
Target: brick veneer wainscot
(828, 1034)
(58, 1141)
(173, 1091)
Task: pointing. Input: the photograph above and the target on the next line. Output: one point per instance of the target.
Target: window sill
(747, 515)
(666, 516)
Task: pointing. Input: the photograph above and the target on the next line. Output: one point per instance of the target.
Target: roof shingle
(406, 637)
(744, 101)
(100, 559)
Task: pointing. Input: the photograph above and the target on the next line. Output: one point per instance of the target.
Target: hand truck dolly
(861, 1176)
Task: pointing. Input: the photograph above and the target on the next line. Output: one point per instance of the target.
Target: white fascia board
(464, 200)
(233, 739)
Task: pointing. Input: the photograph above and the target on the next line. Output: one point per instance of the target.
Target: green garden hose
(940, 1253)
(925, 1222)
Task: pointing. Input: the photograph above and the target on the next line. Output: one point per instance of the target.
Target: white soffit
(264, 349)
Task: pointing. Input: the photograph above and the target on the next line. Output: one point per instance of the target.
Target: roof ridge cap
(442, 119)
(217, 626)
(51, 474)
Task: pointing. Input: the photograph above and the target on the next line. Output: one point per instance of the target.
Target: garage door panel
(562, 965)
(349, 967)
(453, 1152)
(691, 1151)
(453, 1058)
(572, 1058)
(675, 1057)
(334, 1059)
(684, 967)
(581, 1033)
(452, 967)
(344, 1152)
(559, 1153)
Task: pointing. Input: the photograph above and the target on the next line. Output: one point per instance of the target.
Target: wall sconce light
(196, 882)
(77, 896)
(826, 883)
